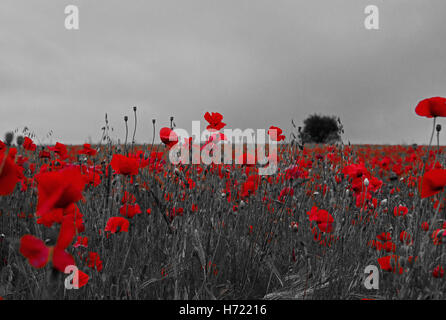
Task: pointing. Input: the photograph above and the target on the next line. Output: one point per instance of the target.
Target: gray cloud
(258, 62)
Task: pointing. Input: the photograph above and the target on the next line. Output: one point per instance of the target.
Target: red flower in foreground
(433, 182)
(59, 189)
(34, 250)
(125, 165)
(432, 107)
(168, 137)
(9, 174)
(323, 219)
(214, 120)
(276, 134)
(117, 222)
(38, 254)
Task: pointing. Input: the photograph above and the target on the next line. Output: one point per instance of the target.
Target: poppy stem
(134, 131)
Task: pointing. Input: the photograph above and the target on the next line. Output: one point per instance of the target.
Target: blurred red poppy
(9, 174)
(59, 189)
(433, 182)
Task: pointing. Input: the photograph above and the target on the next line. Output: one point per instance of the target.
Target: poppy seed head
(438, 128)
(9, 136)
(20, 140)
(126, 118)
(134, 108)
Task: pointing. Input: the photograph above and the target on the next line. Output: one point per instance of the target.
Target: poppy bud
(438, 127)
(126, 118)
(9, 136)
(153, 121)
(134, 108)
(20, 140)
(366, 182)
(171, 118)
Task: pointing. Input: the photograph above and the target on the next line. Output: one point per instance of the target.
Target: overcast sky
(258, 62)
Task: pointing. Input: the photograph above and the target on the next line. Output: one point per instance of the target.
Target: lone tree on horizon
(321, 129)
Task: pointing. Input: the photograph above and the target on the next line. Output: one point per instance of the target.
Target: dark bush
(321, 129)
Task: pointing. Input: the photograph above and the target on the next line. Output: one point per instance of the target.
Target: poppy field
(132, 225)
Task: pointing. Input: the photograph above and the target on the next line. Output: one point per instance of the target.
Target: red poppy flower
(214, 120)
(60, 149)
(400, 211)
(438, 272)
(432, 107)
(29, 145)
(168, 137)
(433, 182)
(94, 261)
(81, 242)
(114, 223)
(88, 150)
(59, 189)
(130, 211)
(125, 165)
(38, 254)
(276, 134)
(323, 219)
(34, 250)
(83, 279)
(9, 174)
(390, 263)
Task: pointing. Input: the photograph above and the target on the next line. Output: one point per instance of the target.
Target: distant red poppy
(29, 145)
(433, 182)
(432, 107)
(130, 211)
(114, 223)
(125, 165)
(168, 137)
(390, 263)
(81, 242)
(60, 149)
(88, 150)
(215, 121)
(94, 261)
(323, 219)
(438, 272)
(276, 134)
